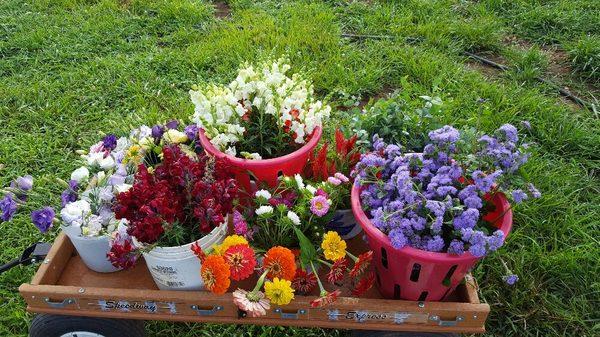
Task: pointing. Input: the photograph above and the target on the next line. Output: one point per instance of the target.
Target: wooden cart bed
(64, 285)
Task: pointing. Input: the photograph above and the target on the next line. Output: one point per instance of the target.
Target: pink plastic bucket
(250, 173)
(417, 275)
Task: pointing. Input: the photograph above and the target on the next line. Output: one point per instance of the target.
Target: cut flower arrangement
(263, 113)
(295, 207)
(439, 200)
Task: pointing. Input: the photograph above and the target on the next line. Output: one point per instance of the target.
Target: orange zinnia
(280, 262)
(215, 274)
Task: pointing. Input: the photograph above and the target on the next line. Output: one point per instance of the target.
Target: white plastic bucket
(177, 268)
(345, 224)
(92, 250)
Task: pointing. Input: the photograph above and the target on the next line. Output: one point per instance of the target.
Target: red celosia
(241, 261)
(326, 298)
(364, 285)
(324, 164)
(304, 282)
(337, 270)
(362, 263)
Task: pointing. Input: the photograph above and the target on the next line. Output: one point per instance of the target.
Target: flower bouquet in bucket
(264, 123)
(184, 199)
(429, 217)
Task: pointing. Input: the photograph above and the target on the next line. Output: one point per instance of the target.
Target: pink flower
(321, 192)
(333, 180)
(319, 205)
(253, 303)
(342, 177)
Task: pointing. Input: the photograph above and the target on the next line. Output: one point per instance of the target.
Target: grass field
(70, 69)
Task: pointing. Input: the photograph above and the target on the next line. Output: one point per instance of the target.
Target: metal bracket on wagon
(290, 315)
(441, 322)
(206, 312)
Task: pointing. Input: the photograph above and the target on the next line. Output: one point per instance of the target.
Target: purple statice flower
(157, 132)
(8, 207)
(42, 218)
(518, 196)
(397, 238)
(174, 124)
(509, 132)
(456, 247)
(534, 191)
(466, 219)
(511, 279)
(526, 125)
(70, 193)
(444, 136)
(191, 131)
(109, 142)
(435, 244)
(319, 205)
(484, 182)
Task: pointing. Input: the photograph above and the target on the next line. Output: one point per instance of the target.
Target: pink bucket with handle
(250, 173)
(417, 275)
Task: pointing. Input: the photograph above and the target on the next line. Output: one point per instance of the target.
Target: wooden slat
(56, 260)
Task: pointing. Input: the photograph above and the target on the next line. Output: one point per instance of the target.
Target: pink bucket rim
(374, 232)
(211, 149)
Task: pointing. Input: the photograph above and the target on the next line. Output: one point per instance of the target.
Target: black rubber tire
(44, 325)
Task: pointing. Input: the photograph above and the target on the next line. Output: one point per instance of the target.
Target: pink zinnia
(319, 205)
(253, 303)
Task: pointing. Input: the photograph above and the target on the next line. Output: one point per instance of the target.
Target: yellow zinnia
(279, 291)
(333, 246)
(229, 241)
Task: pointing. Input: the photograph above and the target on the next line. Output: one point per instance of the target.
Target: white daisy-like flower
(294, 217)
(299, 181)
(263, 193)
(264, 210)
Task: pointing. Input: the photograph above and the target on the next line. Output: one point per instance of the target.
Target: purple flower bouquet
(446, 205)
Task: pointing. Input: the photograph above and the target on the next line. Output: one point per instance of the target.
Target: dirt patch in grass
(222, 9)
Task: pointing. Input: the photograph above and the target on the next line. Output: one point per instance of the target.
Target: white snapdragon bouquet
(263, 113)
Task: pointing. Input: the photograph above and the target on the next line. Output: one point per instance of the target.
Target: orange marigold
(280, 262)
(215, 274)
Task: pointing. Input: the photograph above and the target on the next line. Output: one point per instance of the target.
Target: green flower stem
(260, 282)
(354, 258)
(321, 288)
(325, 263)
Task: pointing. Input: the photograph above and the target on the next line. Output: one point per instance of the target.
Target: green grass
(70, 69)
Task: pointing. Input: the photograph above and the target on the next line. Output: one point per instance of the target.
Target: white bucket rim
(205, 242)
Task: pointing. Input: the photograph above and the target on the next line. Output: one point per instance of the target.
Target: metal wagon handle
(441, 322)
(290, 315)
(58, 305)
(207, 312)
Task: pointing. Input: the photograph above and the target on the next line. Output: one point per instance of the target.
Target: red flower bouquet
(185, 196)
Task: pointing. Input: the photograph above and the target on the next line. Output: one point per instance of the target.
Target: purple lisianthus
(511, 279)
(8, 207)
(174, 124)
(518, 196)
(109, 142)
(24, 183)
(191, 131)
(42, 218)
(157, 132)
(70, 193)
(319, 205)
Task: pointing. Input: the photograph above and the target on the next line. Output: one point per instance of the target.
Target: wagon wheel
(44, 325)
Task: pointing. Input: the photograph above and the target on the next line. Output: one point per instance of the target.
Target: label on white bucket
(168, 276)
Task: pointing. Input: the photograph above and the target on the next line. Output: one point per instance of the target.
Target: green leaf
(308, 252)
